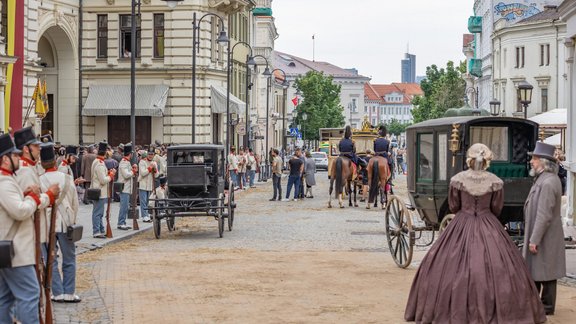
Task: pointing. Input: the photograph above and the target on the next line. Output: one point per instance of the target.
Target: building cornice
(567, 9)
(527, 27)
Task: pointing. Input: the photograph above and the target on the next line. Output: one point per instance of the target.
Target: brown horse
(378, 175)
(341, 173)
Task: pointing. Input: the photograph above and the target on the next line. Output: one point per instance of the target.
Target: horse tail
(374, 187)
(338, 175)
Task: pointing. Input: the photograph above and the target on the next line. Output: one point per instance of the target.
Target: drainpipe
(80, 21)
(557, 68)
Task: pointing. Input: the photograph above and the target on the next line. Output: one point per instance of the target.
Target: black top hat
(127, 149)
(162, 180)
(46, 139)
(544, 150)
(25, 136)
(7, 145)
(72, 150)
(151, 151)
(102, 147)
(47, 153)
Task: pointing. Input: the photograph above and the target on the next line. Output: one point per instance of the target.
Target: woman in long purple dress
(474, 273)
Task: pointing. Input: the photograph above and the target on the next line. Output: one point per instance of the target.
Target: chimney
(550, 7)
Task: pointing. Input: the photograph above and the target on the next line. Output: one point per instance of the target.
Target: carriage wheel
(445, 221)
(171, 223)
(230, 210)
(399, 231)
(156, 224)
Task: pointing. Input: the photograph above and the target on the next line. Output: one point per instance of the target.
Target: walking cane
(108, 227)
(49, 262)
(39, 264)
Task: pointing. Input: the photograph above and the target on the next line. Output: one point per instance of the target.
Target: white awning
(555, 140)
(218, 102)
(555, 118)
(114, 100)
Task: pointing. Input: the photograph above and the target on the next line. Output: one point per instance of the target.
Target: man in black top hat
(126, 174)
(543, 234)
(101, 177)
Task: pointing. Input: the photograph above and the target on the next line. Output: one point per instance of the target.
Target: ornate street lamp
(267, 74)
(304, 118)
(495, 107)
(525, 95)
(136, 3)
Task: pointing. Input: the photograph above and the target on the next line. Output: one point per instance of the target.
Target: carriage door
(441, 177)
(425, 198)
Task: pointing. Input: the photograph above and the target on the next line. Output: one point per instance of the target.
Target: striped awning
(218, 102)
(114, 100)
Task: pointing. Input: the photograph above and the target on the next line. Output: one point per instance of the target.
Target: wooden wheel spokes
(399, 232)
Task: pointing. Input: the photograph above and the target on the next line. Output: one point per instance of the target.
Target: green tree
(321, 103)
(443, 89)
(395, 127)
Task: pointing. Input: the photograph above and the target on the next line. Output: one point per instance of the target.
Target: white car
(321, 160)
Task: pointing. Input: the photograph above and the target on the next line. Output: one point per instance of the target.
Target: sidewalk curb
(93, 246)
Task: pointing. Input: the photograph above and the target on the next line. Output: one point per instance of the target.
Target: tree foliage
(395, 127)
(321, 103)
(443, 89)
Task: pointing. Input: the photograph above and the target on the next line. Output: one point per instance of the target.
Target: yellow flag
(37, 97)
(45, 98)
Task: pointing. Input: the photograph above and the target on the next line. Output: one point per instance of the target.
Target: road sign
(241, 129)
(294, 132)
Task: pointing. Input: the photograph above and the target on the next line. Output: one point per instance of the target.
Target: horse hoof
(367, 207)
(329, 206)
(342, 207)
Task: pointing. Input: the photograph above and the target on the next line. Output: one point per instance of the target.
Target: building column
(571, 132)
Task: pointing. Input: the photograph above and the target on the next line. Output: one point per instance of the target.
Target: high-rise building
(409, 68)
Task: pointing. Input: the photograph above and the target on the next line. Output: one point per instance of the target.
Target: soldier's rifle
(108, 227)
(39, 265)
(49, 263)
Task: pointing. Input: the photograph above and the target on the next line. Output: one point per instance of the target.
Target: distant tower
(409, 68)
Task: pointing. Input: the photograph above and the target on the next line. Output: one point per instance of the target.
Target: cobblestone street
(283, 262)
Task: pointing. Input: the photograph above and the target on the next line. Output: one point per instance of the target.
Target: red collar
(100, 158)
(126, 159)
(52, 169)
(64, 163)
(6, 172)
(28, 161)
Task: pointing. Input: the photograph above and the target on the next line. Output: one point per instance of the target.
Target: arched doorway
(60, 70)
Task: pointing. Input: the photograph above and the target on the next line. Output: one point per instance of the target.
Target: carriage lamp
(542, 135)
(495, 107)
(455, 142)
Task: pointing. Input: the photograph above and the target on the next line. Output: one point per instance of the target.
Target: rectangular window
(126, 36)
(520, 57)
(102, 36)
(547, 54)
(425, 158)
(365, 109)
(544, 100)
(159, 35)
(354, 105)
(495, 137)
(442, 156)
(542, 58)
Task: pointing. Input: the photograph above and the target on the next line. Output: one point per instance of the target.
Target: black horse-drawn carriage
(196, 181)
(436, 152)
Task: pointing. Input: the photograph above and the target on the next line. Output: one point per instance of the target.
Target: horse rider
(347, 148)
(382, 144)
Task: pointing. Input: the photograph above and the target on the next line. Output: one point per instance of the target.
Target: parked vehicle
(321, 160)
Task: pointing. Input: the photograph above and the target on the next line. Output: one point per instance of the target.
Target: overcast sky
(372, 35)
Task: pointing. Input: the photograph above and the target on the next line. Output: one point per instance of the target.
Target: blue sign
(294, 132)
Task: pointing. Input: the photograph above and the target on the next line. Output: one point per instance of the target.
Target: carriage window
(442, 156)
(186, 158)
(425, 156)
(495, 137)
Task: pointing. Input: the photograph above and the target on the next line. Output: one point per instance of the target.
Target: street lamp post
(249, 62)
(267, 74)
(222, 39)
(304, 118)
(134, 52)
(525, 96)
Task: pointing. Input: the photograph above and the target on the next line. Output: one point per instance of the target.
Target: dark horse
(378, 175)
(341, 173)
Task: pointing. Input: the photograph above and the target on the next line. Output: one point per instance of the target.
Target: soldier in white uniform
(147, 171)
(63, 288)
(126, 174)
(19, 286)
(101, 179)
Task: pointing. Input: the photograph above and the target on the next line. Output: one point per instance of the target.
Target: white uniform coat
(67, 202)
(125, 175)
(100, 177)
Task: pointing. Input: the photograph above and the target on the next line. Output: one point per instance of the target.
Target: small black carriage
(436, 152)
(196, 180)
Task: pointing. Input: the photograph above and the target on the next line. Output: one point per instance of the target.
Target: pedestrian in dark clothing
(276, 176)
(296, 167)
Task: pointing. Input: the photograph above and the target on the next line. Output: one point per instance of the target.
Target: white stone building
(568, 14)
(387, 102)
(531, 50)
(163, 70)
(480, 55)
